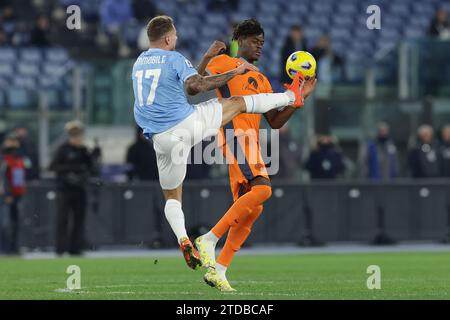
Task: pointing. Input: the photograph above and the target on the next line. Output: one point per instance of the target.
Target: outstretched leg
(264, 102)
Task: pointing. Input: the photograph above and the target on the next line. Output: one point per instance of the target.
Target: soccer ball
(301, 61)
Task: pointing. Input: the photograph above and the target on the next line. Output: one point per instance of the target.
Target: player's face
(251, 47)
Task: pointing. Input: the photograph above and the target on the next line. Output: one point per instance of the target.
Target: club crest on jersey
(188, 63)
(251, 85)
(252, 81)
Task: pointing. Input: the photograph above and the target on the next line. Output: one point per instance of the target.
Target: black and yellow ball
(301, 61)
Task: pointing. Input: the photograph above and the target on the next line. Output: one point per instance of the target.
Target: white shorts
(172, 147)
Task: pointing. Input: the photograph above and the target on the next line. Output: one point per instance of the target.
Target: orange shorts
(243, 155)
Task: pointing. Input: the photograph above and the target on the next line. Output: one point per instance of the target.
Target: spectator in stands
(326, 160)
(141, 159)
(28, 151)
(445, 151)
(424, 158)
(440, 25)
(21, 35)
(114, 13)
(380, 158)
(8, 19)
(12, 188)
(324, 53)
(40, 33)
(294, 41)
(73, 164)
(290, 154)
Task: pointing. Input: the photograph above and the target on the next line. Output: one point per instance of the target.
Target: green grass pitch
(305, 276)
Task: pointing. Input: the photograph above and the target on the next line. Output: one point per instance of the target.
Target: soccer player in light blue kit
(160, 76)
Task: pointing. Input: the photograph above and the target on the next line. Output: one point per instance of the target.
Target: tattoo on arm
(198, 83)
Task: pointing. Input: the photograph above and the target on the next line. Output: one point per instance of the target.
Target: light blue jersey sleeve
(158, 84)
(183, 67)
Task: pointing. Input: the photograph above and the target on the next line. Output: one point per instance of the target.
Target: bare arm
(277, 119)
(216, 48)
(198, 83)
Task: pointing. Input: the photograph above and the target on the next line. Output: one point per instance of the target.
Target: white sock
(175, 217)
(261, 103)
(211, 237)
(211, 241)
(221, 271)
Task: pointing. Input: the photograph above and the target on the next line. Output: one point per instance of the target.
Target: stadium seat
(389, 34)
(343, 21)
(31, 55)
(25, 82)
(217, 20)
(414, 32)
(53, 70)
(422, 22)
(28, 69)
(6, 70)
(346, 8)
(322, 21)
(56, 55)
(210, 33)
(339, 34)
(18, 98)
(7, 55)
(423, 8)
(268, 22)
(298, 7)
(321, 8)
(247, 6)
(399, 9)
(269, 8)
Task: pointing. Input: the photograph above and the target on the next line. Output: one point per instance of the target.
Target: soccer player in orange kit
(249, 180)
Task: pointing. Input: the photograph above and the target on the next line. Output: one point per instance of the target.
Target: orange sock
(241, 208)
(237, 236)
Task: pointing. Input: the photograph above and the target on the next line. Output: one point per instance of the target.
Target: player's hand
(308, 86)
(216, 48)
(244, 67)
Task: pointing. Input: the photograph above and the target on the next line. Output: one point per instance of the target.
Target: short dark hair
(247, 28)
(158, 27)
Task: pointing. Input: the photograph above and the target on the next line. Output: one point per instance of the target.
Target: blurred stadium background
(376, 89)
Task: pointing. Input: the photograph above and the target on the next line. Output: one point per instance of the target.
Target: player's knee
(264, 192)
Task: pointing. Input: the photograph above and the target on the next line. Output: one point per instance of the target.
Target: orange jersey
(252, 82)
(249, 83)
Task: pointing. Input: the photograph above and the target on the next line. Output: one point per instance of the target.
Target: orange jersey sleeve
(220, 64)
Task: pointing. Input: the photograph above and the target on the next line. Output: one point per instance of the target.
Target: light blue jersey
(158, 85)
